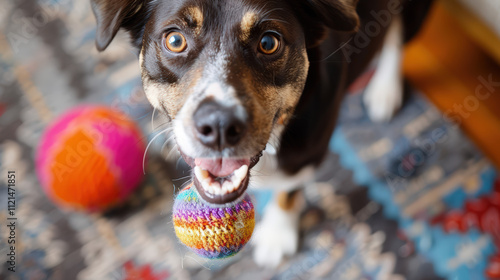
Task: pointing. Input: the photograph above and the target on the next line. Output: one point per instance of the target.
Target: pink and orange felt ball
(90, 158)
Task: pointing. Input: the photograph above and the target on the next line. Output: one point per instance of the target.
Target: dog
(252, 87)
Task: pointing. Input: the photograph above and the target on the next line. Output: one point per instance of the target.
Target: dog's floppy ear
(336, 14)
(111, 15)
(318, 16)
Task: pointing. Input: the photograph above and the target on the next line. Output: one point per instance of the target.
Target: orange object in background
(453, 63)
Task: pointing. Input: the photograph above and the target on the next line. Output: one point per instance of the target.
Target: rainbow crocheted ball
(210, 231)
(90, 158)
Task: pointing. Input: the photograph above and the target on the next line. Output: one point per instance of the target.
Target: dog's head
(228, 73)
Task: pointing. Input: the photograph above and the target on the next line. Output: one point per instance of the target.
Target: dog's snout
(219, 127)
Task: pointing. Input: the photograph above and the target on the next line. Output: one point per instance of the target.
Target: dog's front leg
(384, 94)
(277, 234)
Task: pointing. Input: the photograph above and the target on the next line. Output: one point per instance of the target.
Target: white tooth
(205, 185)
(236, 182)
(201, 174)
(241, 172)
(197, 173)
(224, 188)
(239, 175)
(228, 187)
(217, 188)
(211, 189)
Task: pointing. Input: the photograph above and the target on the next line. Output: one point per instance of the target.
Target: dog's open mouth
(221, 180)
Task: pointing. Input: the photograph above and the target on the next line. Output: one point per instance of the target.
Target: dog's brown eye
(269, 44)
(175, 42)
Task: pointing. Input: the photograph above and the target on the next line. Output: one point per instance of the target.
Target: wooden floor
(451, 62)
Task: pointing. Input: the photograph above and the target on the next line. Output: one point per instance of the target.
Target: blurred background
(415, 198)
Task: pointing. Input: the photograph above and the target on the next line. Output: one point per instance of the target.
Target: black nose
(218, 127)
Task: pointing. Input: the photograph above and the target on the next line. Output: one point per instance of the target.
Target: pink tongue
(220, 167)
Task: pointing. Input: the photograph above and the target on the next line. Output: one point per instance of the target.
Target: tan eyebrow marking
(195, 15)
(247, 23)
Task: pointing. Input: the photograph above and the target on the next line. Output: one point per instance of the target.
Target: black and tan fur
(292, 96)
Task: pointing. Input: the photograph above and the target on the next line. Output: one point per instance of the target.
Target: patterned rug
(402, 200)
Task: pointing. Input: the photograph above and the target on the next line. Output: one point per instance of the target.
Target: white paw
(383, 96)
(275, 237)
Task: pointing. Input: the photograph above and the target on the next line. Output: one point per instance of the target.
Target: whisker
(184, 185)
(181, 178)
(153, 119)
(274, 19)
(146, 151)
(141, 117)
(165, 123)
(261, 9)
(258, 173)
(260, 176)
(179, 161)
(270, 11)
(174, 149)
(166, 142)
(168, 130)
(335, 51)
